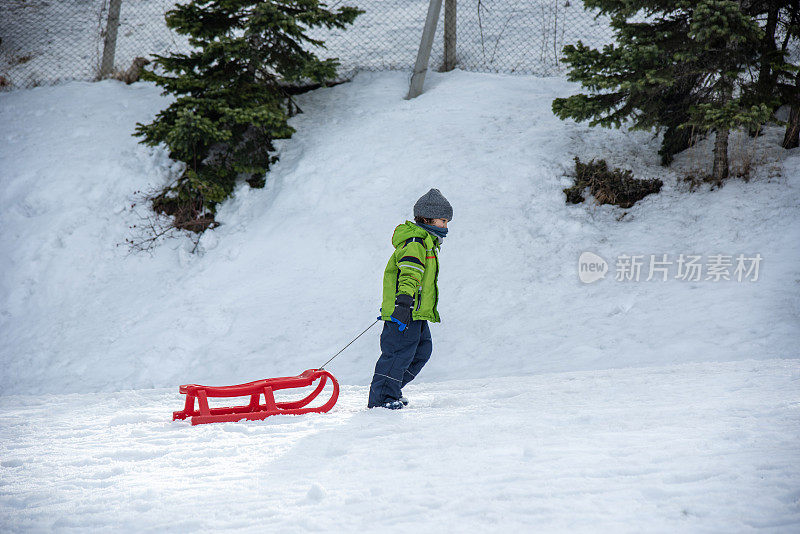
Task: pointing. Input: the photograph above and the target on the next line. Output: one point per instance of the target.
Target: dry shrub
(187, 213)
(608, 186)
(167, 217)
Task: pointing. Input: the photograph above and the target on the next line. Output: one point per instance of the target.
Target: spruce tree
(231, 97)
(677, 66)
(778, 81)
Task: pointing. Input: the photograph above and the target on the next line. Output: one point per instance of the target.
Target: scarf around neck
(434, 230)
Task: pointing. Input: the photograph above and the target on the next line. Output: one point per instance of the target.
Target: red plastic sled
(255, 410)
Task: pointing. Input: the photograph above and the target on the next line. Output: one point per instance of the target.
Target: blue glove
(402, 326)
(402, 311)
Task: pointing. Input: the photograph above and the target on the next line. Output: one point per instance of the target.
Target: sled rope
(358, 336)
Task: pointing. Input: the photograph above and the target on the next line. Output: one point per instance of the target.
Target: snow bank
(294, 272)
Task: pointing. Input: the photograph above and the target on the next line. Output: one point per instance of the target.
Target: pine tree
(778, 81)
(231, 100)
(677, 66)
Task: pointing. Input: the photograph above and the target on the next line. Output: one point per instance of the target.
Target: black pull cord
(358, 336)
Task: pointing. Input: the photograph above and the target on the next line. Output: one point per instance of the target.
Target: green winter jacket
(413, 270)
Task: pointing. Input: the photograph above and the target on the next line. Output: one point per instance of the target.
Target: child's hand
(402, 310)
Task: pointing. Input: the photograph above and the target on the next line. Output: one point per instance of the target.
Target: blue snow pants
(403, 355)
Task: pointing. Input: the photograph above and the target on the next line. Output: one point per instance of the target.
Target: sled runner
(255, 410)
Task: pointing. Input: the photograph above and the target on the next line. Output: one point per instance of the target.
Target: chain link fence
(50, 41)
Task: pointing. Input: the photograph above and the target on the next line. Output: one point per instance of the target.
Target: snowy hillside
(619, 405)
(294, 271)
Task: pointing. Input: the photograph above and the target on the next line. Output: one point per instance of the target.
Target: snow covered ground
(549, 404)
(708, 447)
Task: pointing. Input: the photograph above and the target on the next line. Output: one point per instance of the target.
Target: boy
(410, 295)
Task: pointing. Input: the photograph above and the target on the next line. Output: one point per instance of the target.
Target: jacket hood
(409, 229)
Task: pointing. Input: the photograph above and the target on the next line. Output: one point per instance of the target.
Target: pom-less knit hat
(433, 205)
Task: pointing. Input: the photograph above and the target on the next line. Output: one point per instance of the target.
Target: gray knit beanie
(433, 205)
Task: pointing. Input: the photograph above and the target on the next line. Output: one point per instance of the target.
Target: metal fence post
(449, 35)
(424, 54)
(110, 44)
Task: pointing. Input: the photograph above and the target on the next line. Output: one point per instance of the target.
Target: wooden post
(449, 35)
(110, 44)
(424, 54)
